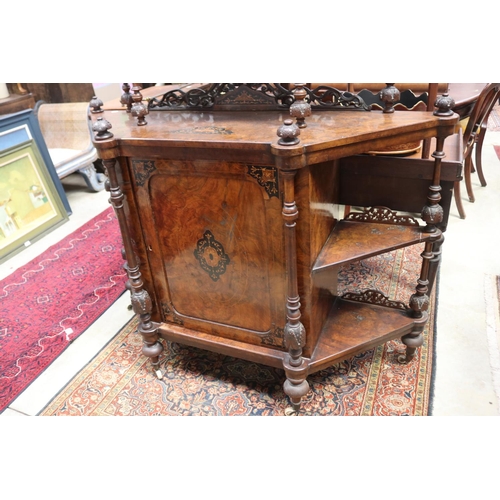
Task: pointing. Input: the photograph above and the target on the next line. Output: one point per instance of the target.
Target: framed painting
(32, 199)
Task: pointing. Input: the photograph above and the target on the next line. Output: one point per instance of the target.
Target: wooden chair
(65, 129)
(458, 149)
(473, 136)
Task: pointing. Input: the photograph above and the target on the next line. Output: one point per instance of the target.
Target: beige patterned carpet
(119, 381)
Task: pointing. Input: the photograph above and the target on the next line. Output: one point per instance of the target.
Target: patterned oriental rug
(120, 381)
(49, 302)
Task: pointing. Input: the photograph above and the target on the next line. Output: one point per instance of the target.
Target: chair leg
(468, 175)
(479, 151)
(458, 199)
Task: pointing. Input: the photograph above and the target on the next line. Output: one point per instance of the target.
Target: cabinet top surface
(258, 129)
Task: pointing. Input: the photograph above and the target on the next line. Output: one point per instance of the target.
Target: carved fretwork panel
(382, 215)
(376, 298)
(235, 96)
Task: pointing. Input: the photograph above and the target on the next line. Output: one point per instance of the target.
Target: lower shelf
(211, 342)
(355, 327)
(351, 328)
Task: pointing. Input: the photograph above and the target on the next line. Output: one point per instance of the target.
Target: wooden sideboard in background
(25, 95)
(16, 102)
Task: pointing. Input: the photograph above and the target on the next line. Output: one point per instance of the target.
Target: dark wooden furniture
(61, 92)
(226, 207)
(473, 138)
(465, 95)
(15, 103)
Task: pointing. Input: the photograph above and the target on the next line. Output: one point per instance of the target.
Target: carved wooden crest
(270, 96)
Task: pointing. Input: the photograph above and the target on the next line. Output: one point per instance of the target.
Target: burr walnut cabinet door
(216, 248)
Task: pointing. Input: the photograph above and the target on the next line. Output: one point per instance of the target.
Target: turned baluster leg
(435, 260)
(458, 199)
(468, 177)
(296, 367)
(141, 301)
(479, 153)
(432, 214)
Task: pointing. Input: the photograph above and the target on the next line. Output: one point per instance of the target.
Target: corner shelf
(351, 241)
(354, 327)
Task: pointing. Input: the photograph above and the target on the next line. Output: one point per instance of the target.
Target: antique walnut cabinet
(226, 195)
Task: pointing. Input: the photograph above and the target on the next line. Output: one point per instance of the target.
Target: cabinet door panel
(219, 238)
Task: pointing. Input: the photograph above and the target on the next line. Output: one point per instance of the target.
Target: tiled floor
(463, 377)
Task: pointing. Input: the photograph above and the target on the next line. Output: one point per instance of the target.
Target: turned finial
(389, 96)
(289, 133)
(101, 127)
(95, 105)
(444, 103)
(139, 109)
(300, 109)
(126, 98)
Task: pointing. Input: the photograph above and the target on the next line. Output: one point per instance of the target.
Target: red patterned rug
(497, 151)
(49, 302)
(119, 381)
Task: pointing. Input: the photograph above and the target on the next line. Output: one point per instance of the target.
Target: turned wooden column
(141, 301)
(432, 214)
(296, 368)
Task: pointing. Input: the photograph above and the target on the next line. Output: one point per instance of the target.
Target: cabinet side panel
(315, 195)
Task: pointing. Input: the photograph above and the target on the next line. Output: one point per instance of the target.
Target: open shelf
(351, 241)
(354, 327)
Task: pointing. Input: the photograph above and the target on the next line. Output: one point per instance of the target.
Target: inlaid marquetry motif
(273, 338)
(211, 256)
(142, 170)
(168, 313)
(209, 129)
(267, 177)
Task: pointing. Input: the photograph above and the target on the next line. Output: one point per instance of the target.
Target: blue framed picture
(32, 199)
